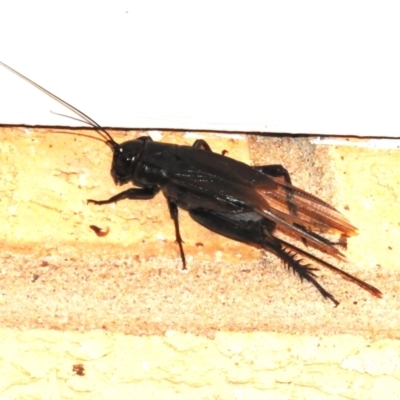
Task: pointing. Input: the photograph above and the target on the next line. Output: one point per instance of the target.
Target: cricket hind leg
(297, 265)
(289, 250)
(276, 171)
(246, 227)
(251, 228)
(364, 285)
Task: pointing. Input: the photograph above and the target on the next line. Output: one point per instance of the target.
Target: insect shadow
(244, 203)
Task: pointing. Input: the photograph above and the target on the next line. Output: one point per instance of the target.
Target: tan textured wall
(69, 297)
(43, 364)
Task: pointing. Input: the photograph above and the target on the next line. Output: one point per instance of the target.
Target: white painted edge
(263, 66)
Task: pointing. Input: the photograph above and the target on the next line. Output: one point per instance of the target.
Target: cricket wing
(297, 206)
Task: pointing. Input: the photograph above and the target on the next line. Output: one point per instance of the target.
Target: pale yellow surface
(39, 364)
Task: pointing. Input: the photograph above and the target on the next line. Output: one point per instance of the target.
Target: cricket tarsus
(231, 198)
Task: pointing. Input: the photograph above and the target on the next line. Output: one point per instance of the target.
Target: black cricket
(233, 199)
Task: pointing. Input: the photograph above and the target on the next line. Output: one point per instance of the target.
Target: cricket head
(126, 157)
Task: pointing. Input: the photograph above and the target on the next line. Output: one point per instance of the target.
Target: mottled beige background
(58, 277)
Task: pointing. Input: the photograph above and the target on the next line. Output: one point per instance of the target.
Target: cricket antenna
(103, 133)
